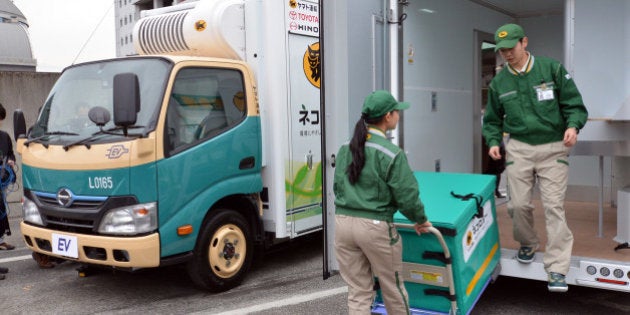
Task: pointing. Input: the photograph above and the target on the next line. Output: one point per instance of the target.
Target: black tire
(223, 253)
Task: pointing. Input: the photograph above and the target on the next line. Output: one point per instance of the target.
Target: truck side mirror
(126, 99)
(19, 124)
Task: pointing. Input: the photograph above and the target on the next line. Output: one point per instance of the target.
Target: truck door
(207, 141)
(304, 169)
(356, 61)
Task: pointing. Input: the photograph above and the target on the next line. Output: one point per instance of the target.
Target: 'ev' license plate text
(65, 245)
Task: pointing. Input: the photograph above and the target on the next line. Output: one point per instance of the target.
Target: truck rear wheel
(223, 253)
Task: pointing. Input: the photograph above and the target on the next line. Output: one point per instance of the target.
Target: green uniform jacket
(513, 104)
(386, 183)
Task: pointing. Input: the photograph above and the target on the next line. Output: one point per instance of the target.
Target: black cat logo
(312, 65)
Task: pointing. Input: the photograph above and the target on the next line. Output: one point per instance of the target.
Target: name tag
(544, 92)
(544, 95)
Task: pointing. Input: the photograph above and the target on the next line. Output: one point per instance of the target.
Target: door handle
(309, 160)
(247, 163)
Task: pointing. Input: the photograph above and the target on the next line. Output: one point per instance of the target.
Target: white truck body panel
(276, 39)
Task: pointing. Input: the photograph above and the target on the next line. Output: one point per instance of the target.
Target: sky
(64, 32)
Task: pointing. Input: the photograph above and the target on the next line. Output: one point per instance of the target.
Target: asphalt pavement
(288, 280)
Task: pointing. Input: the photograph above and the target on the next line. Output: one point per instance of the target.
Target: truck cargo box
(462, 208)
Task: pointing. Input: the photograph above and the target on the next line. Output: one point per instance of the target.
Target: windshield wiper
(50, 133)
(101, 132)
(124, 129)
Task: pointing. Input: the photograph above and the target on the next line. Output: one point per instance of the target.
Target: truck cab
(135, 191)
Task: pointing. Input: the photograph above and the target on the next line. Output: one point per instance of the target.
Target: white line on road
(285, 302)
(16, 258)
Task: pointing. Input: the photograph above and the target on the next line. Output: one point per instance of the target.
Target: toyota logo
(65, 197)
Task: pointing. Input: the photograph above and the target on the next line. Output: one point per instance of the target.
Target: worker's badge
(544, 91)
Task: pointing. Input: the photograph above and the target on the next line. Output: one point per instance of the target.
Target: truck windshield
(64, 116)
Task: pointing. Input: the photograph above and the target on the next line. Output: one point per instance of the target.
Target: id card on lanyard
(544, 91)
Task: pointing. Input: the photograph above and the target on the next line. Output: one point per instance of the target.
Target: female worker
(373, 180)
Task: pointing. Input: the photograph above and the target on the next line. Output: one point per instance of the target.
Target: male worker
(536, 101)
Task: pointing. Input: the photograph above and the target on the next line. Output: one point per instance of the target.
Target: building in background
(127, 13)
(21, 87)
(15, 51)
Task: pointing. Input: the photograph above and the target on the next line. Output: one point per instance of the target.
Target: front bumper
(125, 252)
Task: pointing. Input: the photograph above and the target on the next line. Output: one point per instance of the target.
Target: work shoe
(557, 283)
(2, 276)
(4, 270)
(526, 254)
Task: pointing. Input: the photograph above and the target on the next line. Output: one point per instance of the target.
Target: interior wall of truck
(446, 56)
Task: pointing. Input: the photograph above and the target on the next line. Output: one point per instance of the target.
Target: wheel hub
(226, 249)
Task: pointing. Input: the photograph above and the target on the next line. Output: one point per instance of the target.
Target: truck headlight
(30, 212)
(130, 220)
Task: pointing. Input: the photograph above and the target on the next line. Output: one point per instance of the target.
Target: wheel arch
(246, 205)
(224, 249)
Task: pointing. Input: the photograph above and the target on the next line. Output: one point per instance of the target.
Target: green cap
(507, 36)
(381, 102)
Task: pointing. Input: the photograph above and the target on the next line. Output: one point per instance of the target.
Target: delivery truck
(202, 149)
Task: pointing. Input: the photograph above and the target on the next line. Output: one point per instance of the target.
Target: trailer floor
(583, 222)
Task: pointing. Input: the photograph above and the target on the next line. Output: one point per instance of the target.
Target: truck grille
(70, 225)
(79, 203)
(84, 213)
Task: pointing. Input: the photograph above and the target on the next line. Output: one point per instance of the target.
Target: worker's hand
(11, 163)
(494, 152)
(422, 228)
(570, 137)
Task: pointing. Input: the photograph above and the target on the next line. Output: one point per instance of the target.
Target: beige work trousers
(549, 164)
(366, 248)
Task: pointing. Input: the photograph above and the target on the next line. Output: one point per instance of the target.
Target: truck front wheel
(223, 253)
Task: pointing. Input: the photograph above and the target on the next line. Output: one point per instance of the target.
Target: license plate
(65, 245)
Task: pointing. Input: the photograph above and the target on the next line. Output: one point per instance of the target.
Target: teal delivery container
(462, 208)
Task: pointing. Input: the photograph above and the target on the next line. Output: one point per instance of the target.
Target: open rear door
(355, 53)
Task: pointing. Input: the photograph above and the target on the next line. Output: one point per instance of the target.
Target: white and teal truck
(199, 150)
